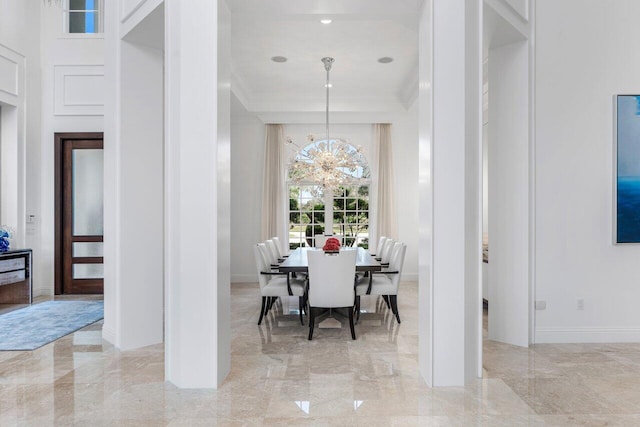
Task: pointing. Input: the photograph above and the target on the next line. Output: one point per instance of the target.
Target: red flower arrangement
(331, 245)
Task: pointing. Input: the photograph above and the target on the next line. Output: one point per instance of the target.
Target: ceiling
(362, 31)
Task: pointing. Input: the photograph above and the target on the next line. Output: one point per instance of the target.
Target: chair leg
(394, 306)
(353, 331)
(386, 299)
(312, 319)
(263, 309)
(300, 303)
(357, 308)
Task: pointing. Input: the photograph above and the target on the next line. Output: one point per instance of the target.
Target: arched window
(341, 210)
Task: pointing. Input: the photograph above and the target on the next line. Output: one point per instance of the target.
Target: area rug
(40, 324)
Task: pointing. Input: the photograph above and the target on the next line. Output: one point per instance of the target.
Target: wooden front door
(79, 213)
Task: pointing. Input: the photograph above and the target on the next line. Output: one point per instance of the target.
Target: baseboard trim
(42, 292)
(244, 278)
(409, 277)
(586, 335)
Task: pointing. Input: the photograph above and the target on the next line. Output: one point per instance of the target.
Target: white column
(197, 194)
(450, 176)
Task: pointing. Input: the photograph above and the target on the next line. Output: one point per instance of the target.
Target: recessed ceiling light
(385, 60)
(326, 21)
(279, 59)
(328, 85)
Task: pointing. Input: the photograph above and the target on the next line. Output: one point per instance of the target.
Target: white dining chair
(331, 284)
(272, 253)
(274, 284)
(385, 254)
(281, 252)
(380, 244)
(385, 283)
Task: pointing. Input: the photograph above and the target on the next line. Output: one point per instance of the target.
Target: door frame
(60, 138)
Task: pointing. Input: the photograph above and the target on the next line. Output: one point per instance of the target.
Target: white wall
(508, 154)
(72, 101)
(247, 165)
(20, 99)
(585, 55)
(247, 135)
(404, 139)
(134, 220)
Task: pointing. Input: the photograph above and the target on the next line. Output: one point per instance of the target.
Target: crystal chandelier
(331, 163)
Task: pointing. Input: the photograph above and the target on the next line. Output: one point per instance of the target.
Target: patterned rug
(40, 324)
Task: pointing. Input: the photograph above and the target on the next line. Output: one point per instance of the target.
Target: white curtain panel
(273, 184)
(386, 223)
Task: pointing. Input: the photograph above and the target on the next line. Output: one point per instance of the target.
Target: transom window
(83, 16)
(344, 213)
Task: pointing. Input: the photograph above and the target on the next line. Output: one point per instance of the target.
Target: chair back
(396, 263)
(380, 244)
(331, 278)
(272, 251)
(394, 252)
(385, 254)
(276, 240)
(262, 263)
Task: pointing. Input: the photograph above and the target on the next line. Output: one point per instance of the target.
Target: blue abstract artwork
(628, 173)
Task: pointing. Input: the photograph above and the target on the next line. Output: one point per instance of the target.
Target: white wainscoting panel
(79, 90)
(11, 64)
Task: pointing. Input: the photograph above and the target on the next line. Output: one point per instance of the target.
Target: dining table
(297, 261)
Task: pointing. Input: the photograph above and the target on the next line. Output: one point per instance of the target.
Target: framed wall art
(627, 179)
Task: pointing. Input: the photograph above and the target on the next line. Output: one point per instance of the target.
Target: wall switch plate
(580, 304)
(541, 305)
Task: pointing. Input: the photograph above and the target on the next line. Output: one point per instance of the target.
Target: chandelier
(331, 163)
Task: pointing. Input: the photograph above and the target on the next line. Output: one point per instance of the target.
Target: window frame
(329, 201)
(66, 21)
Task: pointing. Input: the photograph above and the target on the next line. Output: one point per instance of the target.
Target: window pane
(81, 249)
(83, 22)
(77, 22)
(88, 271)
(338, 217)
(78, 4)
(87, 191)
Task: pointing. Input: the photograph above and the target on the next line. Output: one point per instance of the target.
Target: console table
(15, 277)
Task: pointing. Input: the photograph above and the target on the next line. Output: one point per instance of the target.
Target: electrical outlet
(580, 304)
(541, 305)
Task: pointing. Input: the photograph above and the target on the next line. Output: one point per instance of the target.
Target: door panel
(79, 214)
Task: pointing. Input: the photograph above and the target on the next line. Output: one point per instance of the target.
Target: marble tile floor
(279, 378)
